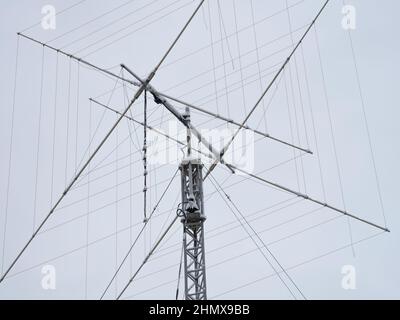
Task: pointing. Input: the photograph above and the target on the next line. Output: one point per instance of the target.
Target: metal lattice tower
(192, 218)
(193, 228)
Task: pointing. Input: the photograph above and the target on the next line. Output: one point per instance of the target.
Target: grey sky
(301, 249)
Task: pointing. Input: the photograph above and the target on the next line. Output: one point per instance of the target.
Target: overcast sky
(315, 104)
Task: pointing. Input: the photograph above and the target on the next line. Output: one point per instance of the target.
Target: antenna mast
(192, 218)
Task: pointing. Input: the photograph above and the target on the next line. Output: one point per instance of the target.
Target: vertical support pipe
(145, 172)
